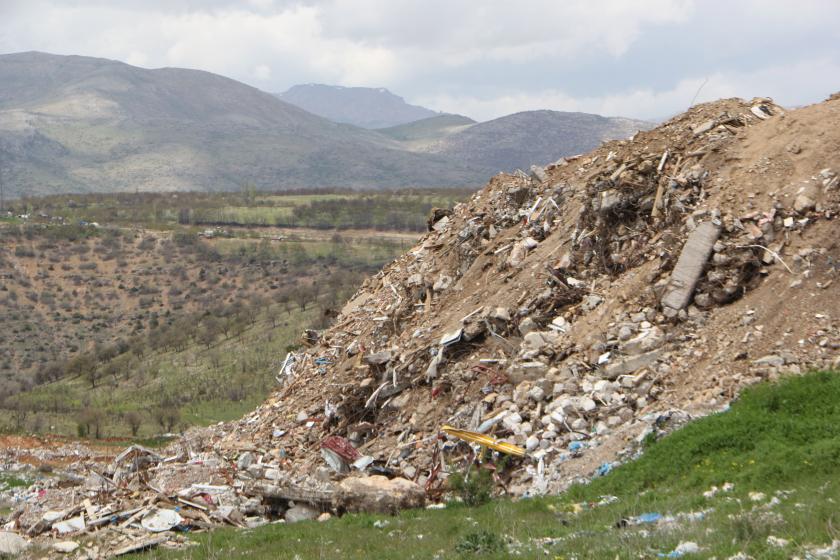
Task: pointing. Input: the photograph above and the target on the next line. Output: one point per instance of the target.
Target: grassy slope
(782, 440)
(199, 373)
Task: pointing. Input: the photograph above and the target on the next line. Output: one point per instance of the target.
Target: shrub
(474, 488)
(480, 542)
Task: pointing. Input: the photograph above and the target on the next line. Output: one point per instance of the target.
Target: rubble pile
(569, 313)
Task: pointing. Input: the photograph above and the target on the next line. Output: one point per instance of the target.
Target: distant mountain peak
(367, 107)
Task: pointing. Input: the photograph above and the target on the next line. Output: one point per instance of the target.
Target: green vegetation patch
(13, 481)
(773, 435)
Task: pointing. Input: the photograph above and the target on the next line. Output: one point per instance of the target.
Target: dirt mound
(581, 303)
(570, 312)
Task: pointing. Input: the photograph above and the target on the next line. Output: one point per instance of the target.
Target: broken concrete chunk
(536, 393)
(73, 525)
(530, 243)
(539, 173)
(586, 404)
(65, 547)
(301, 512)
(539, 340)
(512, 420)
(761, 111)
(591, 301)
(160, 520)
(499, 314)
(560, 324)
(441, 224)
(520, 251)
(644, 342)
(804, 203)
(245, 460)
(690, 265)
(377, 494)
(527, 325)
(772, 360)
(442, 283)
(630, 364)
(12, 544)
(703, 127)
(608, 200)
(436, 216)
(532, 443)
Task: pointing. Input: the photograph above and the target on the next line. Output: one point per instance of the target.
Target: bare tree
(134, 420)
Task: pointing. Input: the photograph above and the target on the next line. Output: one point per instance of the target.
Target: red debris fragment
(341, 447)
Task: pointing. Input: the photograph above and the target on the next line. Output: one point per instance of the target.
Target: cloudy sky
(482, 58)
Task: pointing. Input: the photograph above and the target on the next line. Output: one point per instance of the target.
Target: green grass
(12, 481)
(774, 435)
(782, 440)
(243, 215)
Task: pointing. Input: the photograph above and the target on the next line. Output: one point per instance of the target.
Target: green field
(381, 210)
(779, 446)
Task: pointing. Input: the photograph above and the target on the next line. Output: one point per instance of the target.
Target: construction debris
(690, 266)
(485, 441)
(560, 318)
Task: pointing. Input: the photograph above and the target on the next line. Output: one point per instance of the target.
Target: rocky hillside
(360, 106)
(79, 124)
(568, 314)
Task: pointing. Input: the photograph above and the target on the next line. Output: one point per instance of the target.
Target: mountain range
(81, 124)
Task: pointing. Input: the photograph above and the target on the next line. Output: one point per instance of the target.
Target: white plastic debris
(161, 520)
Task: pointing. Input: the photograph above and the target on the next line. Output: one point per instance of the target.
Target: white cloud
(341, 40)
(433, 51)
(787, 84)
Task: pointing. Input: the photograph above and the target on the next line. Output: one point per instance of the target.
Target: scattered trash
(160, 520)
(339, 453)
(604, 469)
(683, 549)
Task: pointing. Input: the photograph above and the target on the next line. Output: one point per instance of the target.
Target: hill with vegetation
(80, 124)
(532, 137)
